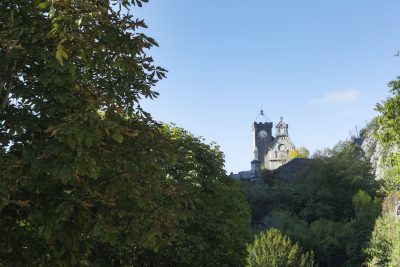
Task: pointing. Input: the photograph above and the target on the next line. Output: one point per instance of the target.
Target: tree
(213, 225)
(72, 72)
(358, 230)
(388, 133)
(275, 249)
(384, 248)
(294, 153)
(302, 152)
(86, 176)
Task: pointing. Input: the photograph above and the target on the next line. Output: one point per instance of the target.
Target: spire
(261, 116)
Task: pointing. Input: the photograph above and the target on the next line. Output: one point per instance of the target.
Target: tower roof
(261, 117)
(281, 124)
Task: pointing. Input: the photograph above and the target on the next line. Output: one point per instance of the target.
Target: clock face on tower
(263, 134)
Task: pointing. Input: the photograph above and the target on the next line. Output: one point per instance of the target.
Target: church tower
(262, 136)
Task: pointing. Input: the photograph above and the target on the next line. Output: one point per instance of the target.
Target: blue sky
(322, 65)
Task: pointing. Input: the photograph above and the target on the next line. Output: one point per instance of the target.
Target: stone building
(270, 152)
(279, 149)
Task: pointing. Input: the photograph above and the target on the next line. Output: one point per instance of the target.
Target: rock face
(374, 150)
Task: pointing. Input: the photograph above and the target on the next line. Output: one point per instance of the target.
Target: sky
(322, 65)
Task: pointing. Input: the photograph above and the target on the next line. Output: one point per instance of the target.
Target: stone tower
(262, 136)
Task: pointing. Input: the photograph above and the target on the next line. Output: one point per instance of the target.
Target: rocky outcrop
(374, 150)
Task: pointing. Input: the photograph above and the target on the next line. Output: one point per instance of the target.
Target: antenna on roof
(261, 114)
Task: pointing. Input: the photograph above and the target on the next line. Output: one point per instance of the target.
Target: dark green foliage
(212, 230)
(327, 189)
(274, 249)
(330, 208)
(87, 178)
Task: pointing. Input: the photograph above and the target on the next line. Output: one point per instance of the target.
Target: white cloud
(338, 97)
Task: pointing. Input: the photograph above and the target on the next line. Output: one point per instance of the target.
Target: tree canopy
(87, 177)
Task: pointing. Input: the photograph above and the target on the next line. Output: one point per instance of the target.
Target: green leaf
(61, 54)
(117, 136)
(87, 139)
(43, 5)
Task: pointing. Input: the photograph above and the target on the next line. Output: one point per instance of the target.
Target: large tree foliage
(212, 230)
(71, 71)
(86, 176)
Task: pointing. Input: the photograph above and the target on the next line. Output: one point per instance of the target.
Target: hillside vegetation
(330, 208)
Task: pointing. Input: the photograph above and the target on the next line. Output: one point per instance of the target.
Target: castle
(269, 152)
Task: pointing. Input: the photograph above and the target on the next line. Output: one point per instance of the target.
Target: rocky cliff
(374, 150)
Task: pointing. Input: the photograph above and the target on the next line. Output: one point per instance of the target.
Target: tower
(262, 136)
